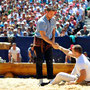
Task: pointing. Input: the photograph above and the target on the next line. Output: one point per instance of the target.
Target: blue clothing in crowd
(32, 52)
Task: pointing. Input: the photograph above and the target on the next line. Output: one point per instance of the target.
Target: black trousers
(46, 55)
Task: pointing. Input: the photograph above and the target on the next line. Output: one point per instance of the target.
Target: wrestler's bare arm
(44, 37)
(82, 76)
(67, 51)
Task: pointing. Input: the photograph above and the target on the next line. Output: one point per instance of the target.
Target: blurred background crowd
(19, 17)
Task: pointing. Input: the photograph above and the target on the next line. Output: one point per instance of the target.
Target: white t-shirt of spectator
(0, 8)
(14, 53)
(79, 10)
(64, 10)
(82, 63)
(72, 11)
(38, 14)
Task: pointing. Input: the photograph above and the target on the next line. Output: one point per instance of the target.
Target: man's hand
(9, 62)
(55, 46)
(66, 62)
(30, 61)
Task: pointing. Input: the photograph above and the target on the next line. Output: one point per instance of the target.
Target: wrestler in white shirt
(81, 71)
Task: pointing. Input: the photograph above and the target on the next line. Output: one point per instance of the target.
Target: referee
(44, 40)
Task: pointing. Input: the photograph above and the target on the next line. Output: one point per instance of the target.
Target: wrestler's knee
(61, 74)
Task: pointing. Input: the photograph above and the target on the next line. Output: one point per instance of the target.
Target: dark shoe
(43, 84)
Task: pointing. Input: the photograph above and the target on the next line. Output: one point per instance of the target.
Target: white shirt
(79, 10)
(72, 11)
(82, 63)
(0, 8)
(14, 53)
(38, 14)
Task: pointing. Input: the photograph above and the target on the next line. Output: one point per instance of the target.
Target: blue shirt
(44, 24)
(70, 0)
(78, 18)
(32, 52)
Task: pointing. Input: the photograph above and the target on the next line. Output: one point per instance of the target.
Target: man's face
(32, 48)
(12, 19)
(66, 14)
(5, 25)
(63, 31)
(67, 25)
(85, 28)
(57, 25)
(5, 33)
(85, 54)
(71, 19)
(14, 46)
(31, 24)
(70, 7)
(78, 7)
(50, 14)
(60, 22)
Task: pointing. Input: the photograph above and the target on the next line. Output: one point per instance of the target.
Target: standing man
(44, 40)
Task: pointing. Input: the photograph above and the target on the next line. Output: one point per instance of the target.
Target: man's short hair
(78, 48)
(13, 43)
(84, 26)
(85, 53)
(51, 8)
(31, 45)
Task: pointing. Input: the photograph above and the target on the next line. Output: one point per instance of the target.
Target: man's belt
(38, 42)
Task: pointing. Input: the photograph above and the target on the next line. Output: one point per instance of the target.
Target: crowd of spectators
(19, 17)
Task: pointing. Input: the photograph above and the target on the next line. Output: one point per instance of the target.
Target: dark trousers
(46, 55)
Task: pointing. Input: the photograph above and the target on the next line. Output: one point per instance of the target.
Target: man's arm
(66, 58)
(82, 76)
(66, 51)
(45, 38)
(18, 57)
(53, 35)
(35, 52)
(9, 56)
(29, 54)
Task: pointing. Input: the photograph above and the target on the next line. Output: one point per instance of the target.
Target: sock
(40, 81)
(50, 80)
